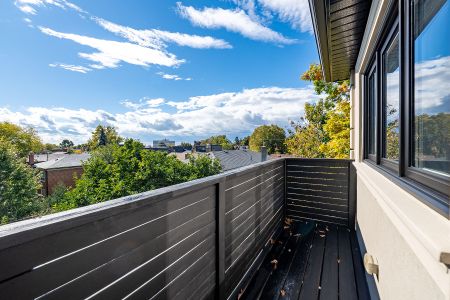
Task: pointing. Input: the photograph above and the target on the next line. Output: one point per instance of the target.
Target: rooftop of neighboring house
(41, 157)
(232, 159)
(65, 161)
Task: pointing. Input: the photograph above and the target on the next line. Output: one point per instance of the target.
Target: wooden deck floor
(310, 261)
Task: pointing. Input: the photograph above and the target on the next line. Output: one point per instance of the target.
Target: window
(407, 105)
(431, 152)
(391, 96)
(372, 114)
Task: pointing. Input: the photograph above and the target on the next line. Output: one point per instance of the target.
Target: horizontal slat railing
(196, 240)
(322, 190)
(253, 211)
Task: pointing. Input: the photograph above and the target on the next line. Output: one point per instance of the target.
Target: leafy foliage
(115, 171)
(245, 141)
(186, 145)
(50, 147)
(324, 131)
(392, 134)
(271, 136)
(24, 140)
(103, 136)
(19, 185)
(433, 134)
(219, 140)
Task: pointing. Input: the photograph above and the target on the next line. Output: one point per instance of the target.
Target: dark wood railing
(200, 239)
(322, 190)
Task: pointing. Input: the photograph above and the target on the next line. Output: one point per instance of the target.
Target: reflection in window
(391, 101)
(431, 86)
(372, 113)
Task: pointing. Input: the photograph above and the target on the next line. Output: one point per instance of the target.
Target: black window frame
(373, 72)
(387, 41)
(430, 188)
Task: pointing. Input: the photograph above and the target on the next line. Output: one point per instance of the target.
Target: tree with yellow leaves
(324, 131)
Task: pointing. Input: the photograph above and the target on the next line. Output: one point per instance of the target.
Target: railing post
(351, 196)
(220, 240)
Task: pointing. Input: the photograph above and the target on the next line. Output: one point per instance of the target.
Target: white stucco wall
(405, 236)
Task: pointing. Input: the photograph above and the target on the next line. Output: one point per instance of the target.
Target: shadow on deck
(310, 261)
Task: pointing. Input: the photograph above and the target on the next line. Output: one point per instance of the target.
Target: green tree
(66, 144)
(24, 140)
(219, 140)
(104, 135)
(392, 133)
(19, 185)
(271, 136)
(186, 145)
(102, 139)
(50, 147)
(324, 131)
(245, 141)
(114, 171)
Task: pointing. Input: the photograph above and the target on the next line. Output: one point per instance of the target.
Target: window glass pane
(391, 148)
(432, 86)
(372, 111)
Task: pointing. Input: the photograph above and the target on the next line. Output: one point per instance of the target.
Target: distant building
(207, 148)
(61, 170)
(163, 143)
(200, 148)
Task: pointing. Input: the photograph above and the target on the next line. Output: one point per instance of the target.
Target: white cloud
(432, 78)
(73, 68)
(201, 116)
(112, 53)
(29, 6)
(226, 113)
(143, 103)
(236, 20)
(154, 38)
(172, 76)
(295, 12)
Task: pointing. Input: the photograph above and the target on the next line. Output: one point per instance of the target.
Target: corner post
(351, 196)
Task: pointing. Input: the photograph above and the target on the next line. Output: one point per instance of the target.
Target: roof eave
(319, 21)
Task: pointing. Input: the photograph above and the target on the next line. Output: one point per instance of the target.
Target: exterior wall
(405, 236)
(64, 176)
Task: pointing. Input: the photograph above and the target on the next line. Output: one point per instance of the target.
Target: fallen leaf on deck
(240, 294)
(274, 263)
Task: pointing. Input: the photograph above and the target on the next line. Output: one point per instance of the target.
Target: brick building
(62, 170)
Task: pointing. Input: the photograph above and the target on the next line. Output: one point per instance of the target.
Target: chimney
(31, 158)
(263, 153)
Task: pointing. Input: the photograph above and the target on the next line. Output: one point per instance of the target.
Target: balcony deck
(310, 261)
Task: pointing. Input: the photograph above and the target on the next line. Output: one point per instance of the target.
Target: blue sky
(183, 70)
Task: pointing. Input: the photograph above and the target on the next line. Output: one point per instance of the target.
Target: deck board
(315, 261)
